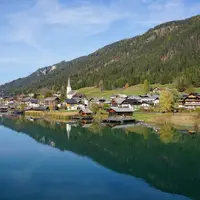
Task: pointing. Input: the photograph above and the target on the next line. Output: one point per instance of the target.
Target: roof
(71, 101)
(132, 101)
(118, 100)
(86, 110)
(116, 109)
(26, 99)
(3, 107)
(41, 108)
(135, 97)
(51, 98)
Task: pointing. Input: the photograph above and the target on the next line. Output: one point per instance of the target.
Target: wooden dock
(119, 120)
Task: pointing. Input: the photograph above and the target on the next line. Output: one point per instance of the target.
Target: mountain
(162, 54)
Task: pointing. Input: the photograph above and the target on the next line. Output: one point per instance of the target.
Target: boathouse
(120, 112)
(85, 112)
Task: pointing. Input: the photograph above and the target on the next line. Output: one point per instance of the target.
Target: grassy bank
(132, 90)
(58, 115)
(178, 119)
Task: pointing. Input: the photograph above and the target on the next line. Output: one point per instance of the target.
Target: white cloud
(86, 18)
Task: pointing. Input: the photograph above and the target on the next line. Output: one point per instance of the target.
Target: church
(70, 93)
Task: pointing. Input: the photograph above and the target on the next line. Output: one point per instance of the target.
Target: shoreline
(176, 119)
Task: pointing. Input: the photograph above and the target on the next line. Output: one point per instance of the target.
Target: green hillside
(160, 55)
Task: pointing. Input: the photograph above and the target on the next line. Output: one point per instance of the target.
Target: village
(119, 107)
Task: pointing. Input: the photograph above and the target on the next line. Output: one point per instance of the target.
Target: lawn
(132, 90)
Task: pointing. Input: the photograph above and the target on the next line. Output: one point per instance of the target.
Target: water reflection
(165, 157)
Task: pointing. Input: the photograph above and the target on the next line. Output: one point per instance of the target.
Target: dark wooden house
(51, 101)
(192, 100)
(85, 112)
(120, 112)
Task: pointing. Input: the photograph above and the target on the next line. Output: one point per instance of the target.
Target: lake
(48, 160)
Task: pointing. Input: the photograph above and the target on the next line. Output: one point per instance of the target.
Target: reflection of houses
(191, 101)
(54, 101)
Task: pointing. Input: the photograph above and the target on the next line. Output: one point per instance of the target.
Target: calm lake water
(43, 161)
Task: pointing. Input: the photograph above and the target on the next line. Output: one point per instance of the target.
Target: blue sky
(39, 33)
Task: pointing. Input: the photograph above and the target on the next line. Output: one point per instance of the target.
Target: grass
(184, 119)
(132, 90)
(59, 115)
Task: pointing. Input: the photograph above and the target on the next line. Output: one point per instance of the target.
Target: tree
(48, 94)
(182, 83)
(94, 107)
(101, 84)
(146, 86)
(126, 86)
(166, 101)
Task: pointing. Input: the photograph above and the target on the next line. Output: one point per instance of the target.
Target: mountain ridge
(161, 54)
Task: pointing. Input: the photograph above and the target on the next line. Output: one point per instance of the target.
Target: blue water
(30, 170)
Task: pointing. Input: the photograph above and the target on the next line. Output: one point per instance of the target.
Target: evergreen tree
(146, 86)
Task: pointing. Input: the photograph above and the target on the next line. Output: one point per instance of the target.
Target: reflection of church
(68, 129)
(70, 93)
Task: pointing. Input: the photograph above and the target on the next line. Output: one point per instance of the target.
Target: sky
(39, 33)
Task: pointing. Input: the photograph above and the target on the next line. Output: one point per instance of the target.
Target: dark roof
(41, 108)
(51, 98)
(86, 110)
(71, 101)
(26, 99)
(118, 110)
(131, 101)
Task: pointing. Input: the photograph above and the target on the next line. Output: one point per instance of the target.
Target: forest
(165, 54)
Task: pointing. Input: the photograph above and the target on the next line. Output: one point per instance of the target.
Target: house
(41, 108)
(85, 112)
(3, 109)
(123, 96)
(51, 101)
(117, 101)
(7, 100)
(57, 94)
(155, 90)
(120, 112)
(150, 99)
(192, 101)
(133, 102)
(72, 104)
(30, 102)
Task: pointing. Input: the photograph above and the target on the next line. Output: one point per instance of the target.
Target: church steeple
(69, 89)
(68, 84)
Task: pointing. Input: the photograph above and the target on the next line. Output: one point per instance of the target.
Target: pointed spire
(69, 85)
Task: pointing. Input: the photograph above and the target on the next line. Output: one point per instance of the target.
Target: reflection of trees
(172, 167)
(143, 130)
(96, 128)
(168, 134)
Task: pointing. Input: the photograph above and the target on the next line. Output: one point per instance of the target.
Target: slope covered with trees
(167, 52)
